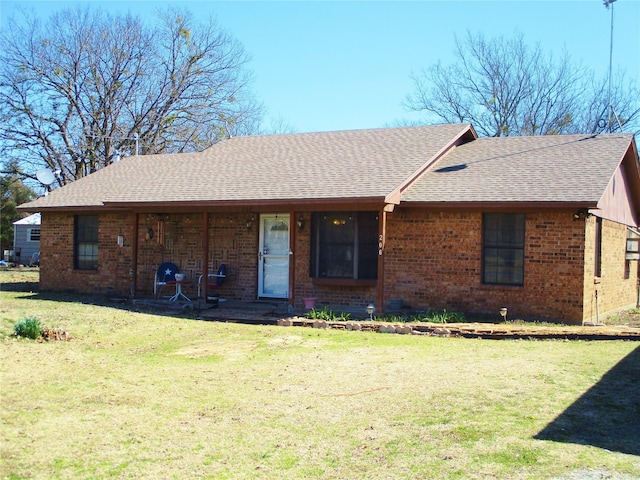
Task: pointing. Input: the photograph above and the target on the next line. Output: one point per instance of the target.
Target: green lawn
(138, 395)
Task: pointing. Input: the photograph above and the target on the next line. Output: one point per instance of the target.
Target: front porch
(259, 312)
(255, 312)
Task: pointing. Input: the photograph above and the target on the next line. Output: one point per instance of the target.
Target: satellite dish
(45, 176)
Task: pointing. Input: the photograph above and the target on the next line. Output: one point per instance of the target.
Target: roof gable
(620, 201)
(30, 220)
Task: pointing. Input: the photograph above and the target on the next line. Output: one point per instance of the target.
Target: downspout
(638, 285)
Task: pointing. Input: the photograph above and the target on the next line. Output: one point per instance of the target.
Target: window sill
(345, 282)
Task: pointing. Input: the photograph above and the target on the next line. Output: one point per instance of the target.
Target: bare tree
(503, 87)
(84, 87)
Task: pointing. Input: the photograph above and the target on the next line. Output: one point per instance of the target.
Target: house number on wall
(380, 245)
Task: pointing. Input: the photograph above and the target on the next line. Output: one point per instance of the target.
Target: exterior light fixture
(581, 214)
(249, 222)
(300, 223)
(370, 309)
(503, 313)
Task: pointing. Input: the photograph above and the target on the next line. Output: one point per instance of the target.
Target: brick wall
(434, 260)
(431, 260)
(332, 296)
(616, 287)
(56, 264)
(177, 238)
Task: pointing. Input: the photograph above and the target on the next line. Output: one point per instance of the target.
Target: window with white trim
(33, 234)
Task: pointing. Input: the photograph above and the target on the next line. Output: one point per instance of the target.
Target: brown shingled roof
(356, 164)
(572, 169)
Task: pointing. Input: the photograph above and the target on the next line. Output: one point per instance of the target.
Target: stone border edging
(481, 331)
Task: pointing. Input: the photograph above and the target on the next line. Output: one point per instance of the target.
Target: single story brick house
(545, 226)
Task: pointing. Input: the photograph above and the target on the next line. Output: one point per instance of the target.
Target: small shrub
(328, 315)
(442, 317)
(28, 328)
(396, 319)
(320, 314)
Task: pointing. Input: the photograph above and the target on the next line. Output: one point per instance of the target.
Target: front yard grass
(138, 395)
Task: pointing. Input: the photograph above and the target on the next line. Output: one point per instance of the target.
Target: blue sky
(335, 65)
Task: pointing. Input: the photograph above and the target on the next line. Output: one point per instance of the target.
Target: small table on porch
(179, 293)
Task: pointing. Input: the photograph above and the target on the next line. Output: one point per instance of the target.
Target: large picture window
(503, 248)
(344, 245)
(85, 242)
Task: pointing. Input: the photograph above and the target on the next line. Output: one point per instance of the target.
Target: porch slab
(263, 312)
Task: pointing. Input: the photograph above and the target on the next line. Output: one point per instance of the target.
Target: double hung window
(85, 242)
(33, 234)
(503, 248)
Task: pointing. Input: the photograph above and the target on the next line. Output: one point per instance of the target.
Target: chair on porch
(219, 279)
(165, 275)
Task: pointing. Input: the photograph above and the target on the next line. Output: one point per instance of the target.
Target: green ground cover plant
(325, 313)
(152, 395)
(27, 328)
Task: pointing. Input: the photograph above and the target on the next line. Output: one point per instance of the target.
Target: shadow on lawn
(167, 308)
(607, 415)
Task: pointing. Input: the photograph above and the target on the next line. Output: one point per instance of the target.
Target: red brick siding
(434, 260)
(333, 296)
(230, 242)
(613, 288)
(114, 262)
(431, 260)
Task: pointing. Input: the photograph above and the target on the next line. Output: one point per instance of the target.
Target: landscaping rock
(320, 324)
(442, 332)
(387, 329)
(404, 329)
(353, 326)
(285, 322)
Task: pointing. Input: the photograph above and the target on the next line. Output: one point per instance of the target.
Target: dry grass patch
(136, 395)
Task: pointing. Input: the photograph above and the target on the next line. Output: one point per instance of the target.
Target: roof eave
(511, 206)
(374, 203)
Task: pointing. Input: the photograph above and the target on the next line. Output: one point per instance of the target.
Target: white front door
(273, 256)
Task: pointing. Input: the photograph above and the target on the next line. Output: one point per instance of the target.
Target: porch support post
(292, 258)
(133, 273)
(205, 254)
(382, 236)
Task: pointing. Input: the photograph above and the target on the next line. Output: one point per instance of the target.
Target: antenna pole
(136, 137)
(609, 3)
